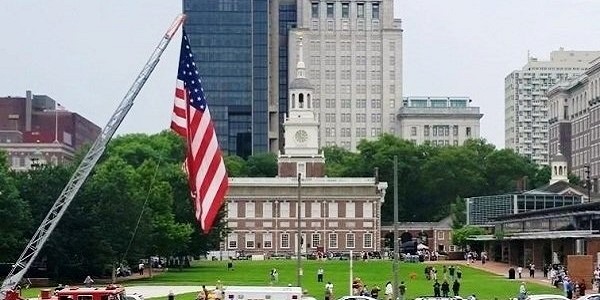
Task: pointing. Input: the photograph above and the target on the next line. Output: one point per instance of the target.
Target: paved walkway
(153, 291)
(502, 269)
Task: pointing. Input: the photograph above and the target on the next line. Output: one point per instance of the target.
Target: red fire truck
(111, 292)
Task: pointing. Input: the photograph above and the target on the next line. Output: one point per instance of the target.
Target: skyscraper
(526, 103)
(353, 56)
(230, 42)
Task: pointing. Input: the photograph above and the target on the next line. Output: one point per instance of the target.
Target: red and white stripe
(205, 165)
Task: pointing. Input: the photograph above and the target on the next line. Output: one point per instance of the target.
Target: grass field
(484, 285)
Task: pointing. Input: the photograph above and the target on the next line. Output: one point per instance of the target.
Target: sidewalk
(502, 269)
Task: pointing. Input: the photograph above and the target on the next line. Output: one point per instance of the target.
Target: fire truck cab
(111, 292)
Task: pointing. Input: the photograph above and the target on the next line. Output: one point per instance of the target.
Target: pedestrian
(320, 272)
(456, 288)
(451, 272)
(522, 291)
(519, 271)
(375, 292)
(436, 289)
(532, 270)
(458, 273)
(88, 281)
(329, 291)
(389, 290)
(545, 270)
(230, 266)
(445, 288)
(401, 290)
(141, 268)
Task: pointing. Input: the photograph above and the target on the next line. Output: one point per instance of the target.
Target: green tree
(236, 166)
(15, 215)
(262, 165)
(460, 236)
(459, 213)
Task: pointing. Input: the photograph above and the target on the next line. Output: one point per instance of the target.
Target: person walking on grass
(389, 290)
(401, 290)
(320, 273)
(436, 289)
(445, 288)
(456, 288)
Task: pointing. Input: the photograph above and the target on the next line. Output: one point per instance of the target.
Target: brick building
(435, 235)
(35, 129)
(336, 214)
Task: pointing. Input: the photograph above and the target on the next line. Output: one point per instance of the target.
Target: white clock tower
(301, 127)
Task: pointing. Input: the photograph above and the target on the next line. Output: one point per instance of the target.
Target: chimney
(28, 105)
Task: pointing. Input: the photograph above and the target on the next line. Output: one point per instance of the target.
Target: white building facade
(526, 104)
(353, 58)
(441, 121)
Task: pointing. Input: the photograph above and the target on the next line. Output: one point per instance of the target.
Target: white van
(262, 293)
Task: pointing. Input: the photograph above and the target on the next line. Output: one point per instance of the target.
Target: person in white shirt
(320, 272)
(389, 290)
(520, 270)
(329, 291)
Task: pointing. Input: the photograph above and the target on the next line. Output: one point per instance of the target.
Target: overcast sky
(86, 54)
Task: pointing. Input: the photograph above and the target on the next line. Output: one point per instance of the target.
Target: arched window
(293, 100)
(308, 102)
(555, 171)
(560, 170)
(301, 100)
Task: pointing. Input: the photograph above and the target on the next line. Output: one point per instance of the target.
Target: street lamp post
(299, 231)
(396, 246)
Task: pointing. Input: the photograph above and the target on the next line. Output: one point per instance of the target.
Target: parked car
(545, 297)
(134, 296)
(590, 297)
(356, 298)
(438, 298)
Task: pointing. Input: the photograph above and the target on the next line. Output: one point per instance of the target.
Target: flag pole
(55, 123)
(351, 275)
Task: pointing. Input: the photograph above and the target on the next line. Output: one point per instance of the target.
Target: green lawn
(483, 284)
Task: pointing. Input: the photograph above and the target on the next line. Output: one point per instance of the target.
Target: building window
(250, 210)
(232, 241)
(314, 7)
(333, 241)
(330, 10)
(468, 131)
(367, 210)
(285, 240)
(375, 11)
(250, 240)
(284, 209)
(232, 211)
(360, 10)
(426, 130)
(368, 240)
(333, 210)
(315, 209)
(455, 130)
(350, 240)
(345, 10)
(413, 131)
(392, 103)
(267, 209)
(350, 210)
(455, 143)
(267, 240)
(440, 235)
(315, 240)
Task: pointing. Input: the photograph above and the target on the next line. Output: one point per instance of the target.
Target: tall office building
(441, 121)
(353, 55)
(526, 103)
(230, 43)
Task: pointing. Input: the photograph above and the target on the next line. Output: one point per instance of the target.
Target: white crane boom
(85, 167)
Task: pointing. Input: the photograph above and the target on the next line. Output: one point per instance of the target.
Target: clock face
(301, 136)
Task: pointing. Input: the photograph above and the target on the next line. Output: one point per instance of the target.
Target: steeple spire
(300, 67)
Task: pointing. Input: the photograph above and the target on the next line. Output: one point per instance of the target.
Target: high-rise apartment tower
(526, 104)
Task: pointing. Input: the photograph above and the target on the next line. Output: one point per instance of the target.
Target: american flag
(204, 162)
